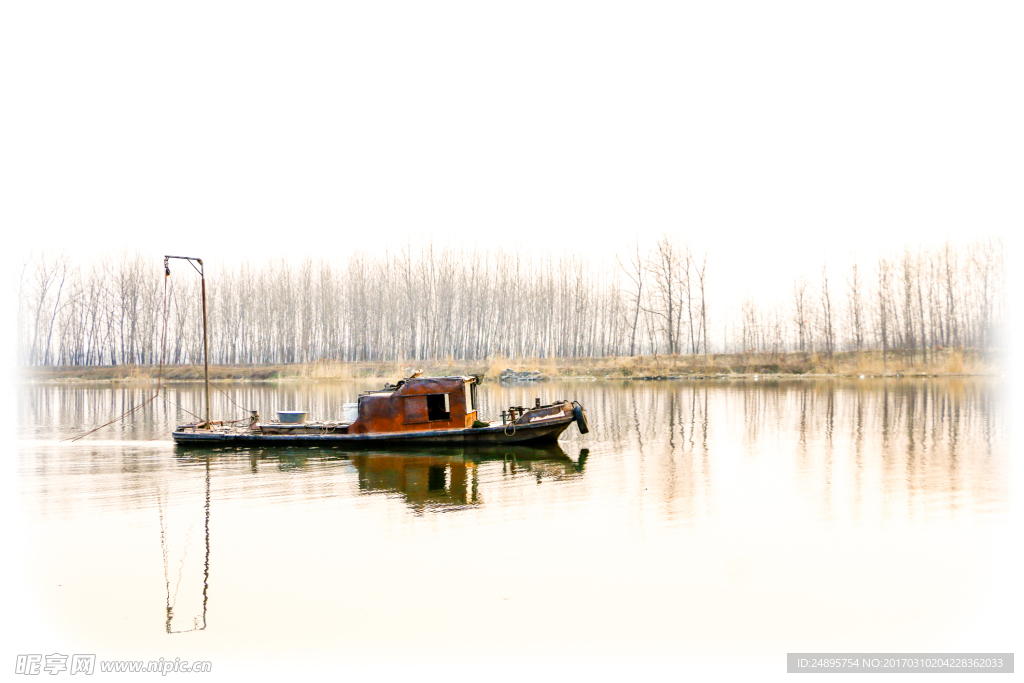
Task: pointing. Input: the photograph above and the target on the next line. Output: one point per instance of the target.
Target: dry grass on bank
(867, 363)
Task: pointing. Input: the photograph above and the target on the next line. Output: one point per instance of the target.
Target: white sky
(771, 134)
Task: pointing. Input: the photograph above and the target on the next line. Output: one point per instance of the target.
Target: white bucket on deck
(350, 412)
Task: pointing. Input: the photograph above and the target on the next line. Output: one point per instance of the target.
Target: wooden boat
(414, 412)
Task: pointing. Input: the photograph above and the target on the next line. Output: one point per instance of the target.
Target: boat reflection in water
(439, 481)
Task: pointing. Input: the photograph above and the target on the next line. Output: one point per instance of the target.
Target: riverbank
(944, 362)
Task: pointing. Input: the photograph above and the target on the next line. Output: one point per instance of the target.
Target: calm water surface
(696, 522)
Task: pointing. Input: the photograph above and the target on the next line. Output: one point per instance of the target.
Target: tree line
(436, 302)
(914, 301)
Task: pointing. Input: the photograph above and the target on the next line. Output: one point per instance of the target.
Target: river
(699, 525)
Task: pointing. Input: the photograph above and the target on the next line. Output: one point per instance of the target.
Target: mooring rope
(214, 385)
(159, 375)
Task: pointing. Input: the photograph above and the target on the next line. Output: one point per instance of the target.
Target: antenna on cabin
(206, 351)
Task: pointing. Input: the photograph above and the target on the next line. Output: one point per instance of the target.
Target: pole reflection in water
(177, 533)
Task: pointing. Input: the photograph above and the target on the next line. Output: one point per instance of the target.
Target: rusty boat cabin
(415, 411)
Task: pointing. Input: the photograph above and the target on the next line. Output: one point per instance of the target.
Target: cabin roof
(424, 379)
(465, 379)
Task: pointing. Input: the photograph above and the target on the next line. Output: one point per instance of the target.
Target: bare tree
(883, 271)
(700, 273)
(800, 304)
(827, 328)
(666, 259)
(855, 307)
(909, 272)
(636, 273)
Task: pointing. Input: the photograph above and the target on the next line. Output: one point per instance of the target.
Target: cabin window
(438, 407)
(470, 397)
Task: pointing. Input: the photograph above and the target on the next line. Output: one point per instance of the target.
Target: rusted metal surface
(406, 408)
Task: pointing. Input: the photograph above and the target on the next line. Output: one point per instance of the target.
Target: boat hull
(546, 432)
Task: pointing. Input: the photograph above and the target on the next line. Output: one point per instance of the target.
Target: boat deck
(332, 433)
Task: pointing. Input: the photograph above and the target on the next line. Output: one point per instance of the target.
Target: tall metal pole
(206, 347)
